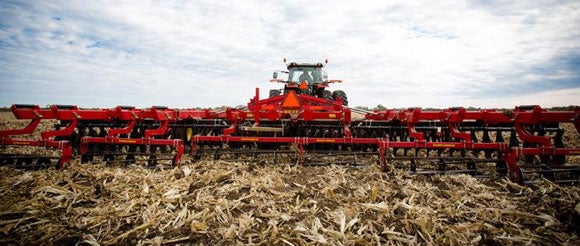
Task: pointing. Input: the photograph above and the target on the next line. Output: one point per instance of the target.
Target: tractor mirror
(275, 75)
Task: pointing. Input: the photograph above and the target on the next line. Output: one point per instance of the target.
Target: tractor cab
(304, 78)
(307, 78)
(309, 73)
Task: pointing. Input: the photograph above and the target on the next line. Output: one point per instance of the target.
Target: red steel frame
(313, 108)
(36, 114)
(161, 115)
(73, 115)
(310, 108)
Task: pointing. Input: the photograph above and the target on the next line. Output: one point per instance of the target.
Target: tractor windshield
(311, 75)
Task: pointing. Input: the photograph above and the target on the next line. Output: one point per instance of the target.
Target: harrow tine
(548, 173)
(442, 165)
(474, 137)
(567, 175)
(128, 149)
(152, 161)
(451, 165)
(130, 158)
(501, 168)
(471, 167)
(513, 139)
(499, 137)
(29, 162)
(216, 154)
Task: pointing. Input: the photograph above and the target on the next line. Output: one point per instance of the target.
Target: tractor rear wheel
(342, 95)
(274, 93)
(327, 95)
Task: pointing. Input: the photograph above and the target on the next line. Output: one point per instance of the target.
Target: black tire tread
(327, 95)
(274, 93)
(342, 95)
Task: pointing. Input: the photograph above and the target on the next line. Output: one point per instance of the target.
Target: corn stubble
(226, 203)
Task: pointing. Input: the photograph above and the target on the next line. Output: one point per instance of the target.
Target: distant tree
(472, 108)
(380, 107)
(363, 108)
(565, 108)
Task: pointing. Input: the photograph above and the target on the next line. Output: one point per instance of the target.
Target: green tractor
(306, 78)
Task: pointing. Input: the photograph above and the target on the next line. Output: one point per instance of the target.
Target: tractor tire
(327, 95)
(274, 93)
(342, 95)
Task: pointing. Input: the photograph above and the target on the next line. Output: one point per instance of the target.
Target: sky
(185, 54)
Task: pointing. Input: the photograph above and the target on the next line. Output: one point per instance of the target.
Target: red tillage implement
(35, 115)
(305, 123)
(102, 132)
(123, 133)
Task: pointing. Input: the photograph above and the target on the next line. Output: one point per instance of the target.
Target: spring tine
(486, 138)
(474, 137)
(513, 139)
(435, 136)
(541, 130)
(499, 137)
(447, 137)
(529, 159)
(558, 143)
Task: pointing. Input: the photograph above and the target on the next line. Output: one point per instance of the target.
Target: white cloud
(212, 53)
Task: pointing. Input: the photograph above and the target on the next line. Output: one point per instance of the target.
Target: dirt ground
(6, 116)
(223, 203)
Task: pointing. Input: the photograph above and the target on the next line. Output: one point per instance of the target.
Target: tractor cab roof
(309, 65)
